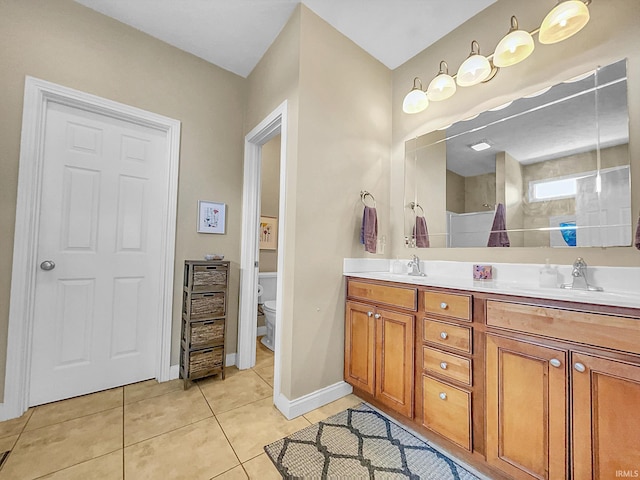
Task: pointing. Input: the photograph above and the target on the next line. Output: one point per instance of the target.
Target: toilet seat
(269, 305)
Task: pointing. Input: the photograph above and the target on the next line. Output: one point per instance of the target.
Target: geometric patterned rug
(361, 443)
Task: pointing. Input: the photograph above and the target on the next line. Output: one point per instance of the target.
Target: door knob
(48, 265)
(555, 362)
(377, 316)
(579, 367)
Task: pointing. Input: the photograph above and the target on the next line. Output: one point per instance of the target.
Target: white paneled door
(97, 308)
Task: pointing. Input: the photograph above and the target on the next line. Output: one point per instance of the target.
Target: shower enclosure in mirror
(558, 161)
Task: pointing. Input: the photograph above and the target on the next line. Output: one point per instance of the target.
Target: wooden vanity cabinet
(571, 404)
(445, 345)
(379, 343)
(526, 409)
(606, 417)
(520, 388)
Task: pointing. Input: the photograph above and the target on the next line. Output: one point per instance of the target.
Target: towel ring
(363, 195)
(414, 205)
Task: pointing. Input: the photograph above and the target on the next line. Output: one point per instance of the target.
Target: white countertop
(621, 284)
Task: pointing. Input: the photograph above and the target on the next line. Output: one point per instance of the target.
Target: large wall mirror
(556, 160)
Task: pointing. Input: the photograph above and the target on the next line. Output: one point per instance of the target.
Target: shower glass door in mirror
(558, 160)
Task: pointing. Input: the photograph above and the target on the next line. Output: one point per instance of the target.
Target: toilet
(269, 309)
(267, 298)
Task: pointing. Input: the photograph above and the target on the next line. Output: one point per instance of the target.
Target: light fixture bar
(566, 19)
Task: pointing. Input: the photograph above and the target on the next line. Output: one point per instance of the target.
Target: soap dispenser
(548, 276)
(397, 266)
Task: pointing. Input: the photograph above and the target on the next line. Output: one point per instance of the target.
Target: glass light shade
(415, 101)
(441, 87)
(513, 48)
(473, 70)
(566, 19)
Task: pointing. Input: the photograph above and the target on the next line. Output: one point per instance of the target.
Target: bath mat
(361, 443)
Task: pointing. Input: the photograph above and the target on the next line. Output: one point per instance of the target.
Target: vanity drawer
(619, 333)
(447, 410)
(445, 364)
(401, 297)
(448, 305)
(447, 335)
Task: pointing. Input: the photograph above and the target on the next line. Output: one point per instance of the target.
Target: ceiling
(235, 34)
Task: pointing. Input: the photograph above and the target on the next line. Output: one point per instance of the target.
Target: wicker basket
(207, 305)
(206, 333)
(203, 362)
(208, 276)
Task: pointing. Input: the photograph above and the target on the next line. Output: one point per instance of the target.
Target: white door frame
(37, 95)
(274, 123)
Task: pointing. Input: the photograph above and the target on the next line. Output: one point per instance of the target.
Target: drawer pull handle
(443, 365)
(369, 314)
(444, 335)
(443, 305)
(443, 396)
(579, 367)
(555, 362)
(377, 315)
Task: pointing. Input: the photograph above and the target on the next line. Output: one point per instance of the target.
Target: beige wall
(338, 143)
(455, 192)
(344, 144)
(478, 191)
(269, 196)
(611, 34)
(65, 43)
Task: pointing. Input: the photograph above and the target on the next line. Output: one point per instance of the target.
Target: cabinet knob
(579, 367)
(443, 396)
(555, 362)
(443, 365)
(369, 314)
(443, 305)
(377, 315)
(444, 335)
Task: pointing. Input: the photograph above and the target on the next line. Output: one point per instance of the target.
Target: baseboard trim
(301, 405)
(174, 372)
(230, 360)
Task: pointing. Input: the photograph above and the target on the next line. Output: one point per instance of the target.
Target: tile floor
(215, 429)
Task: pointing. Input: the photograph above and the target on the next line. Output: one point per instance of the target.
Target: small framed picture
(268, 233)
(211, 217)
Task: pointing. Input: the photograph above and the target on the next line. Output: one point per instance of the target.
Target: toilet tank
(268, 281)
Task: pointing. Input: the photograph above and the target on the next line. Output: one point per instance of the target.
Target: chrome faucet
(414, 265)
(579, 274)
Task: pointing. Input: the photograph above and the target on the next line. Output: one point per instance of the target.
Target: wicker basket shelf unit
(204, 310)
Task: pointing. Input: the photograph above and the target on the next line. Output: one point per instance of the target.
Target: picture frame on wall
(268, 233)
(211, 217)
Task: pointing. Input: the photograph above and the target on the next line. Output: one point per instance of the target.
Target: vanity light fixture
(567, 18)
(475, 69)
(480, 146)
(514, 47)
(416, 100)
(443, 85)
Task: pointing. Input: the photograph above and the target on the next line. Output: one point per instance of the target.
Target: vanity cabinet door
(394, 360)
(359, 346)
(606, 418)
(526, 408)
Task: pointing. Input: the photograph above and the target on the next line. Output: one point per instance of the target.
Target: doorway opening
(273, 125)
